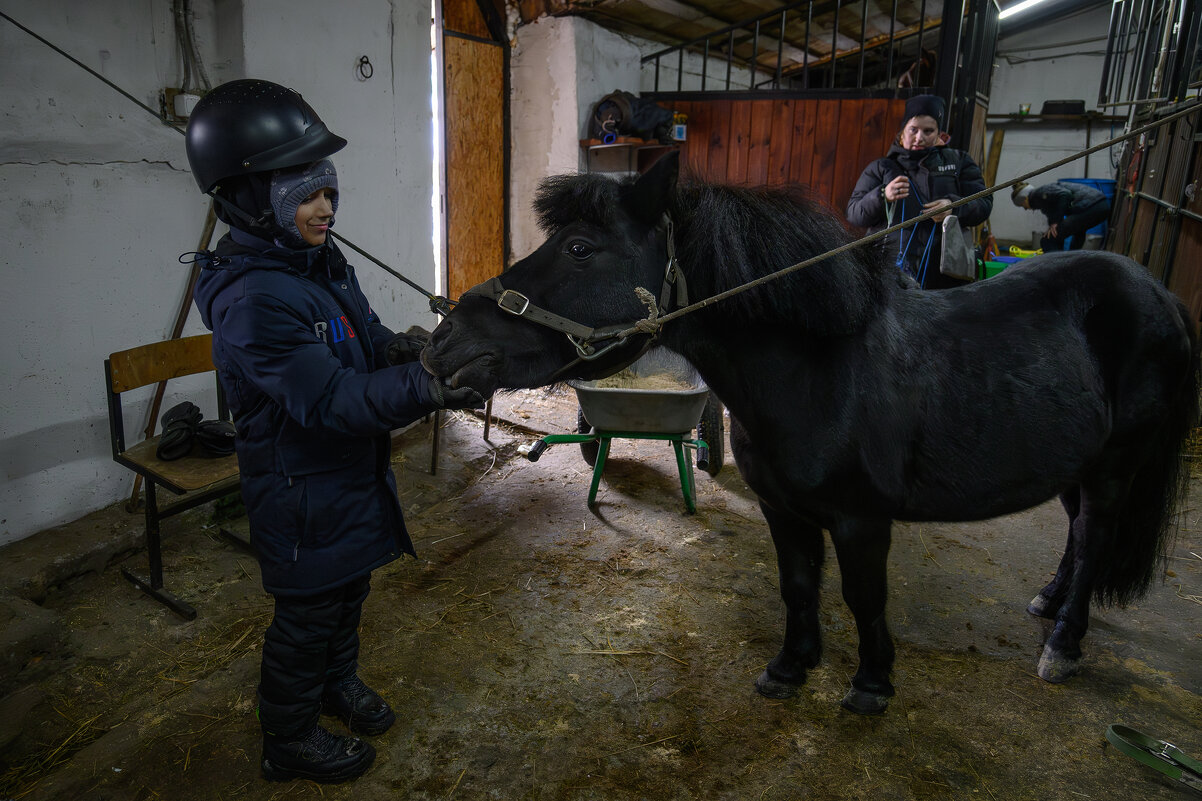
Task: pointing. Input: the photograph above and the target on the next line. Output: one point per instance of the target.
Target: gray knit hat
(290, 187)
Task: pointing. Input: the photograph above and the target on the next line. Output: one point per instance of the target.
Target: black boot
(319, 756)
(360, 707)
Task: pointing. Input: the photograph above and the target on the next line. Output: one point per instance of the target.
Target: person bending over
(1071, 209)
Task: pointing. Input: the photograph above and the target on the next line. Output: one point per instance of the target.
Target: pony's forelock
(562, 199)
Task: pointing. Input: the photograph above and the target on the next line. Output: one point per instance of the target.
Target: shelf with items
(601, 156)
(1088, 117)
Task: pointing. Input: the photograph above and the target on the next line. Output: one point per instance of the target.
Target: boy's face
(313, 216)
(920, 132)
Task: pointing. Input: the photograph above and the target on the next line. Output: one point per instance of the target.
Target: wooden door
(475, 143)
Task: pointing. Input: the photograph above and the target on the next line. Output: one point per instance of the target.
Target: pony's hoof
(1055, 669)
(774, 688)
(1039, 606)
(865, 703)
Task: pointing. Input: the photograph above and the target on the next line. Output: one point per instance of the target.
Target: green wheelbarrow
(664, 400)
(601, 440)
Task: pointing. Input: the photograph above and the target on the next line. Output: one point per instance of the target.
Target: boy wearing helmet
(303, 361)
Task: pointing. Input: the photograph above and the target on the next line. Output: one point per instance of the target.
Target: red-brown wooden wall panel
(822, 144)
(738, 142)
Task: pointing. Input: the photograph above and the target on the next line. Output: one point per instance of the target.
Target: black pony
(857, 398)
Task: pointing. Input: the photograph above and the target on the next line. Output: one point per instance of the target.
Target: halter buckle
(520, 302)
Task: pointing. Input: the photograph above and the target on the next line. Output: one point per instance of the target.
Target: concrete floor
(540, 650)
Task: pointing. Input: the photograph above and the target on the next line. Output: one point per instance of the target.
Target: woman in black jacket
(919, 174)
(314, 387)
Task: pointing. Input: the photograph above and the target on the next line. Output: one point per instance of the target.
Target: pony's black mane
(727, 236)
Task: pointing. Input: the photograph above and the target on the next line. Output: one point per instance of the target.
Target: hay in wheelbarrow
(660, 393)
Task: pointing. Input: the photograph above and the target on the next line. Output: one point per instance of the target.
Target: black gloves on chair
(444, 397)
(183, 427)
(179, 429)
(216, 437)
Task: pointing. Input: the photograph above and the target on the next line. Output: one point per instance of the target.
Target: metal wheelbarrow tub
(660, 411)
(668, 414)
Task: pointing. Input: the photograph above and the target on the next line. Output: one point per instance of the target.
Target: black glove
(216, 437)
(407, 347)
(179, 430)
(444, 397)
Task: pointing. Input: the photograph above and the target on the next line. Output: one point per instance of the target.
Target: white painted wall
(1071, 69)
(544, 119)
(100, 203)
(559, 68)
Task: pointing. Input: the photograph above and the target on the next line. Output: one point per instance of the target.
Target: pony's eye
(579, 250)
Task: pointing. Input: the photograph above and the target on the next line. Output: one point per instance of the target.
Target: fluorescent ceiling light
(1017, 7)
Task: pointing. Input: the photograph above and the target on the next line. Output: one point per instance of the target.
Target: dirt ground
(540, 650)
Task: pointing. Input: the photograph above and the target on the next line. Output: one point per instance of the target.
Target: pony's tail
(1147, 525)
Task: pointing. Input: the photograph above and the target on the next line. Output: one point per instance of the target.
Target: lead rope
(701, 304)
(925, 261)
(920, 273)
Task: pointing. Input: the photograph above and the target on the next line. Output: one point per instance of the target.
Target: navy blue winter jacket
(300, 356)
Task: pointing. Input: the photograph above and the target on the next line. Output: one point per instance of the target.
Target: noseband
(585, 339)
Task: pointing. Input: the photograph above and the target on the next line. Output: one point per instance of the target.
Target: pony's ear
(648, 200)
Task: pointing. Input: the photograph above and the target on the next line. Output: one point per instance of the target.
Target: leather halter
(586, 338)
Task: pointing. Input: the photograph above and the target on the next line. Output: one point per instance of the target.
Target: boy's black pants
(313, 640)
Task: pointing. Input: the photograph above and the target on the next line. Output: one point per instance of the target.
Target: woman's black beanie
(926, 106)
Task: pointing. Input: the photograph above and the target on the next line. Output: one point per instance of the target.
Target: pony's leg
(799, 554)
(1051, 597)
(1093, 528)
(863, 550)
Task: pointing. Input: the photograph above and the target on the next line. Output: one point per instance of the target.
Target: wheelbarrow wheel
(711, 428)
(588, 450)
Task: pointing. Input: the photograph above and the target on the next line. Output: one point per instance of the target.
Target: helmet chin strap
(266, 222)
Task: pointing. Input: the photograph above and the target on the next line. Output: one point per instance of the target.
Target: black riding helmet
(249, 126)
(241, 131)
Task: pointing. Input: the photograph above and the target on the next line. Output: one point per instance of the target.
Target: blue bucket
(1103, 185)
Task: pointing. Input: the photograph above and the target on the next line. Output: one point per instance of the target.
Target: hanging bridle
(586, 339)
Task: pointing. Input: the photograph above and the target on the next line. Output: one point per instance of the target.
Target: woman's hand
(1051, 234)
(897, 189)
(938, 203)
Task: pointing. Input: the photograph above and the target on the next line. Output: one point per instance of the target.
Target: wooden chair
(198, 479)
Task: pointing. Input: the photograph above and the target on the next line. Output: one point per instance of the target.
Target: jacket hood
(239, 253)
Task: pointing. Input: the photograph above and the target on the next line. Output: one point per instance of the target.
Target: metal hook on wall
(366, 70)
